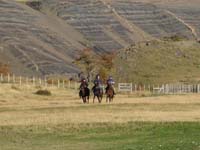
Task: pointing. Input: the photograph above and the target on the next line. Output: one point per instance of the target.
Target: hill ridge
(47, 39)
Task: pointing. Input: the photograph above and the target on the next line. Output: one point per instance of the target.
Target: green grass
(102, 136)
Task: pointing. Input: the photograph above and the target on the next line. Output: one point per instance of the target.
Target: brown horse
(109, 93)
(98, 92)
(85, 94)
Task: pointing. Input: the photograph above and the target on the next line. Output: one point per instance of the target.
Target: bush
(15, 88)
(174, 38)
(4, 69)
(43, 92)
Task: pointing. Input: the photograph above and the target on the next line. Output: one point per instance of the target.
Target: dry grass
(20, 106)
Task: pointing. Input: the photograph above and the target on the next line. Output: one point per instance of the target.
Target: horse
(85, 94)
(98, 92)
(109, 93)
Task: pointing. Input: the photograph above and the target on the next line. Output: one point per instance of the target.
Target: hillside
(117, 24)
(44, 37)
(36, 43)
(159, 62)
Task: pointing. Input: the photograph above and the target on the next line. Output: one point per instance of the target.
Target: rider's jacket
(84, 84)
(97, 82)
(110, 82)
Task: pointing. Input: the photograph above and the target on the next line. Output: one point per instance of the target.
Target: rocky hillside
(44, 37)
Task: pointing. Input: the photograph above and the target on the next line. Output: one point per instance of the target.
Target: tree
(107, 60)
(87, 61)
(107, 65)
(4, 69)
(90, 62)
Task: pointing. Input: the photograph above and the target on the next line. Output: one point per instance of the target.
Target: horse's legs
(110, 99)
(93, 98)
(83, 99)
(101, 97)
(88, 99)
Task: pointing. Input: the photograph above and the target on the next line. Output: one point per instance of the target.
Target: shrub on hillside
(174, 38)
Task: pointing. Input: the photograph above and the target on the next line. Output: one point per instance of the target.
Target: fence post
(118, 87)
(8, 78)
(52, 82)
(33, 81)
(45, 82)
(149, 88)
(26, 81)
(153, 88)
(135, 88)
(63, 83)
(13, 78)
(69, 84)
(58, 83)
(1, 77)
(75, 85)
(40, 81)
(131, 88)
(20, 80)
(163, 88)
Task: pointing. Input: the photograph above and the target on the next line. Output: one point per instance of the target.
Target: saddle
(97, 89)
(111, 87)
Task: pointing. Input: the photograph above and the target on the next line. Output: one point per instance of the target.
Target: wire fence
(46, 82)
(37, 81)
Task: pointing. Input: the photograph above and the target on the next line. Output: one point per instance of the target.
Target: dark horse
(85, 94)
(98, 92)
(109, 93)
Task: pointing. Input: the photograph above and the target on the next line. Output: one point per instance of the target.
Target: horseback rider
(110, 82)
(97, 82)
(84, 83)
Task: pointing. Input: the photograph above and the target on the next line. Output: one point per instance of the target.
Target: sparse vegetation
(15, 88)
(43, 92)
(87, 61)
(35, 4)
(91, 63)
(159, 63)
(4, 69)
(174, 38)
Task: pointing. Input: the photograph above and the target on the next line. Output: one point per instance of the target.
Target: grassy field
(62, 122)
(159, 62)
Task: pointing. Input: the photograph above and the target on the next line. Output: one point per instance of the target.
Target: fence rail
(160, 89)
(125, 87)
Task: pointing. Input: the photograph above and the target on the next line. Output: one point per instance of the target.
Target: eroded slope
(29, 39)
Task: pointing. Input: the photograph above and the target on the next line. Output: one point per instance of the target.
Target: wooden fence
(160, 89)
